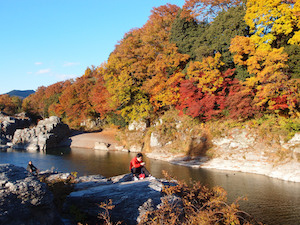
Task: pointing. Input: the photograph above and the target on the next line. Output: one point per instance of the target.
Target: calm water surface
(270, 201)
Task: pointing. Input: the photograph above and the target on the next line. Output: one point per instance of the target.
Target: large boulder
(127, 196)
(49, 133)
(24, 199)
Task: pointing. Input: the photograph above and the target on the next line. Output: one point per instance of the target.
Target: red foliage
(196, 103)
(281, 102)
(239, 102)
(74, 103)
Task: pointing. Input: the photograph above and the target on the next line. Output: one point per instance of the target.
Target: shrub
(197, 204)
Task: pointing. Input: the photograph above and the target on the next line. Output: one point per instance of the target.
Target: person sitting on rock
(138, 169)
(32, 169)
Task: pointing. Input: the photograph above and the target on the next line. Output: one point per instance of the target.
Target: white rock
(101, 146)
(154, 140)
(141, 126)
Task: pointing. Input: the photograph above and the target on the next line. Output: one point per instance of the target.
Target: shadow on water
(271, 201)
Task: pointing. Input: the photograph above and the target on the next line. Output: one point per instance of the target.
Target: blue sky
(46, 41)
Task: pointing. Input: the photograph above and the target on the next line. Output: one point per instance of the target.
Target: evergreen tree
(186, 34)
(293, 61)
(201, 39)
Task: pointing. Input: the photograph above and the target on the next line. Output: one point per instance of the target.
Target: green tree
(226, 26)
(293, 61)
(186, 33)
(201, 40)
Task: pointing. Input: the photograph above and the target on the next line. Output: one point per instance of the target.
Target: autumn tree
(207, 104)
(34, 103)
(10, 104)
(270, 80)
(273, 22)
(204, 94)
(74, 103)
(239, 103)
(42, 102)
(141, 71)
(99, 95)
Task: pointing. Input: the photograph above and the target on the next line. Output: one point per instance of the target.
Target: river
(270, 200)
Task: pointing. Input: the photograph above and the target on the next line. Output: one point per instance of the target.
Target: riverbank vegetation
(221, 63)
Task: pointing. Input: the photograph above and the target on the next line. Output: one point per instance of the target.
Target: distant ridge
(21, 94)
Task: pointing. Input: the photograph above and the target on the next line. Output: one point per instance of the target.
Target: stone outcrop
(49, 133)
(129, 197)
(9, 124)
(24, 199)
(137, 126)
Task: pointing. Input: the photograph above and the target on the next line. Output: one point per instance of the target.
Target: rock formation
(24, 199)
(48, 133)
(9, 124)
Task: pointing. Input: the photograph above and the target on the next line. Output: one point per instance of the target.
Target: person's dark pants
(137, 171)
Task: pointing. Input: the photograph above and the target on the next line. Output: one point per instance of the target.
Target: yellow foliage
(270, 18)
(207, 73)
(141, 109)
(268, 66)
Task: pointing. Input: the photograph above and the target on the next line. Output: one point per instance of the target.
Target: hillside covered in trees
(210, 60)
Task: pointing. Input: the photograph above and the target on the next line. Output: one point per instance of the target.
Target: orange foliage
(74, 103)
(43, 101)
(145, 67)
(99, 96)
(9, 105)
(270, 81)
(146, 75)
(34, 103)
(207, 73)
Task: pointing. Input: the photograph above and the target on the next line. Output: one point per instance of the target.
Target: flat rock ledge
(24, 199)
(130, 198)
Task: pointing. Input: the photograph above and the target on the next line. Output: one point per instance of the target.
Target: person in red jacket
(137, 167)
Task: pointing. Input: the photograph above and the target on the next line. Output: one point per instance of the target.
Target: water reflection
(271, 201)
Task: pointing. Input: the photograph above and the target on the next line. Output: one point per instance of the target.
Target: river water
(270, 200)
